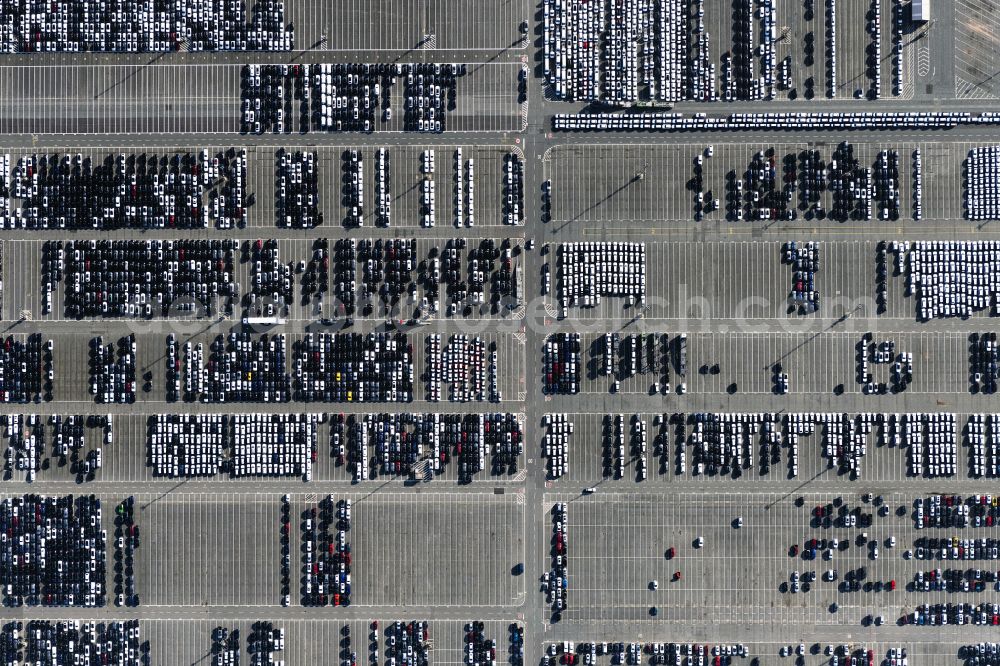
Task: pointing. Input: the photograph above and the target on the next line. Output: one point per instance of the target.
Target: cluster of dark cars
(263, 641)
(123, 191)
(957, 510)
(240, 367)
(938, 614)
(21, 368)
(225, 646)
(126, 542)
(135, 278)
(804, 261)
(285, 578)
(296, 201)
(556, 581)
(407, 643)
(112, 370)
(765, 191)
(980, 654)
(405, 444)
(271, 282)
(27, 450)
(623, 357)
(371, 272)
(53, 643)
(352, 367)
(954, 580)
(984, 362)
(109, 27)
(326, 554)
(882, 353)
(345, 97)
(69, 440)
(429, 92)
(622, 443)
(561, 364)
(479, 650)
(52, 551)
(516, 644)
(241, 445)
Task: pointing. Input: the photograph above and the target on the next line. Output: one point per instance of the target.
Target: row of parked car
(107, 27)
(52, 551)
(296, 203)
(346, 97)
(980, 654)
(982, 183)
(55, 642)
(136, 278)
(22, 362)
(555, 443)
(804, 262)
(555, 581)
(771, 121)
(468, 365)
(590, 270)
(951, 278)
(957, 510)
(955, 548)
(954, 580)
(127, 540)
(196, 277)
(326, 554)
(939, 614)
(422, 445)
(190, 445)
(123, 191)
(982, 437)
(112, 370)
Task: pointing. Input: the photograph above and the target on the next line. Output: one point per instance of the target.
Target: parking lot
(353, 394)
(310, 641)
(261, 188)
(202, 98)
(618, 543)
(977, 30)
(129, 456)
(646, 186)
(781, 50)
(73, 376)
(741, 362)
(394, 564)
(425, 24)
(594, 457)
(695, 281)
(303, 294)
(446, 550)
